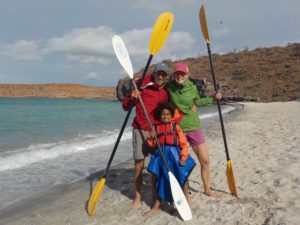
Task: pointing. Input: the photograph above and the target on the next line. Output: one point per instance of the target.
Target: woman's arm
(201, 101)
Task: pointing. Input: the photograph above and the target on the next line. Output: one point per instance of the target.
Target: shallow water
(47, 142)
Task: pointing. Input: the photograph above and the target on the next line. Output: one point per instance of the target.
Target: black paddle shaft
(126, 120)
(218, 102)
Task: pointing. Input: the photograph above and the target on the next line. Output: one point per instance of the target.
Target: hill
(56, 91)
(263, 74)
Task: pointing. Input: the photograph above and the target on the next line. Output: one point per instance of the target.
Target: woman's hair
(162, 106)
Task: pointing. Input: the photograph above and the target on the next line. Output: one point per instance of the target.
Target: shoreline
(263, 141)
(29, 179)
(16, 210)
(23, 207)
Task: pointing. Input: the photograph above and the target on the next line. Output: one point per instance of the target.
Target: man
(152, 92)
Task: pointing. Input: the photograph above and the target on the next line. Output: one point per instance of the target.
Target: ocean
(48, 142)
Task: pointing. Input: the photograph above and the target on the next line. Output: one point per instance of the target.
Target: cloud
(85, 45)
(88, 60)
(23, 51)
(137, 41)
(224, 32)
(179, 45)
(92, 76)
(92, 46)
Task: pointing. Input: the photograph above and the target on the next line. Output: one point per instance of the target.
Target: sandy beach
(264, 146)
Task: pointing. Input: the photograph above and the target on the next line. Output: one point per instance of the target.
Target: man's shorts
(195, 137)
(139, 144)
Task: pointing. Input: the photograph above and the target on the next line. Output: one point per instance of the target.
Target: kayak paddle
(159, 35)
(229, 170)
(177, 193)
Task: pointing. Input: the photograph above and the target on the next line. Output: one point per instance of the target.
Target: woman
(184, 95)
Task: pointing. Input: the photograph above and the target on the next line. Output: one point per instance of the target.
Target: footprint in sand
(280, 182)
(277, 182)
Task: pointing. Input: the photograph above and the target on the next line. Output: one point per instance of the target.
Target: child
(175, 148)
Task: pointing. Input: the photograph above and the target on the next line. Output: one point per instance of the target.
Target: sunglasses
(180, 74)
(160, 73)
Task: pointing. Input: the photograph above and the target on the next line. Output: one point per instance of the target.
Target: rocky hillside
(263, 74)
(55, 91)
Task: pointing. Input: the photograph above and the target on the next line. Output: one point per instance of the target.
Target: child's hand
(182, 162)
(152, 133)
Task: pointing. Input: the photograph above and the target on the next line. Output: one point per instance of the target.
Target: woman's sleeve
(202, 101)
(182, 143)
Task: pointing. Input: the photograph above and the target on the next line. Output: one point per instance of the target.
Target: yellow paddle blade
(230, 179)
(203, 24)
(160, 31)
(95, 196)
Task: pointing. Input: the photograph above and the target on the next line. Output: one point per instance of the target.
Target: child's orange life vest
(166, 133)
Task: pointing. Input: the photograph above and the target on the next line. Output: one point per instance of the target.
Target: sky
(69, 41)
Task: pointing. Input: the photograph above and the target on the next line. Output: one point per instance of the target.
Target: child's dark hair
(162, 106)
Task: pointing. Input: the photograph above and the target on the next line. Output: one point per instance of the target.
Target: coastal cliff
(56, 91)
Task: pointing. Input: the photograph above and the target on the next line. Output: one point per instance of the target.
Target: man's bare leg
(138, 178)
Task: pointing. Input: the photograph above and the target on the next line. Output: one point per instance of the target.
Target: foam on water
(68, 163)
(225, 110)
(36, 153)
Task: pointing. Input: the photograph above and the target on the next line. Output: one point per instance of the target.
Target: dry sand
(264, 145)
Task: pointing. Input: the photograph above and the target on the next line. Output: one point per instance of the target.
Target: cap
(180, 67)
(161, 67)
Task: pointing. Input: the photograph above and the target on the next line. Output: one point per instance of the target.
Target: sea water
(47, 142)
